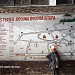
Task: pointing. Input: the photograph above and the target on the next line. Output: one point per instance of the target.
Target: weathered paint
(29, 36)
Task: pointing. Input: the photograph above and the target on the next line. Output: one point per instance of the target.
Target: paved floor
(34, 68)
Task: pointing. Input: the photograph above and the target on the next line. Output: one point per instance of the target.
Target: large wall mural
(29, 36)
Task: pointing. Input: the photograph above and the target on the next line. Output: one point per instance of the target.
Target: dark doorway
(74, 1)
(59, 2)
(39, 2)
(35, 2)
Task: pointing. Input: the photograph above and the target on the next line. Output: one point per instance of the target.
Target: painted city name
(28, 18)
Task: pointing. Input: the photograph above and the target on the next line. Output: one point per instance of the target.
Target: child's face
(53, 50)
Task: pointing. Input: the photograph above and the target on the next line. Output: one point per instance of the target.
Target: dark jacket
(54, 59)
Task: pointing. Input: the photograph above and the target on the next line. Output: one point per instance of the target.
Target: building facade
(35, 2)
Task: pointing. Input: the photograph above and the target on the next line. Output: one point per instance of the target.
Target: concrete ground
(34, 68)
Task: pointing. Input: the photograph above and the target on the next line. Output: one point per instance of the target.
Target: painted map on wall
(29, 36)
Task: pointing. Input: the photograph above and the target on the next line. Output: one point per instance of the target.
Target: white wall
(52, 2)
